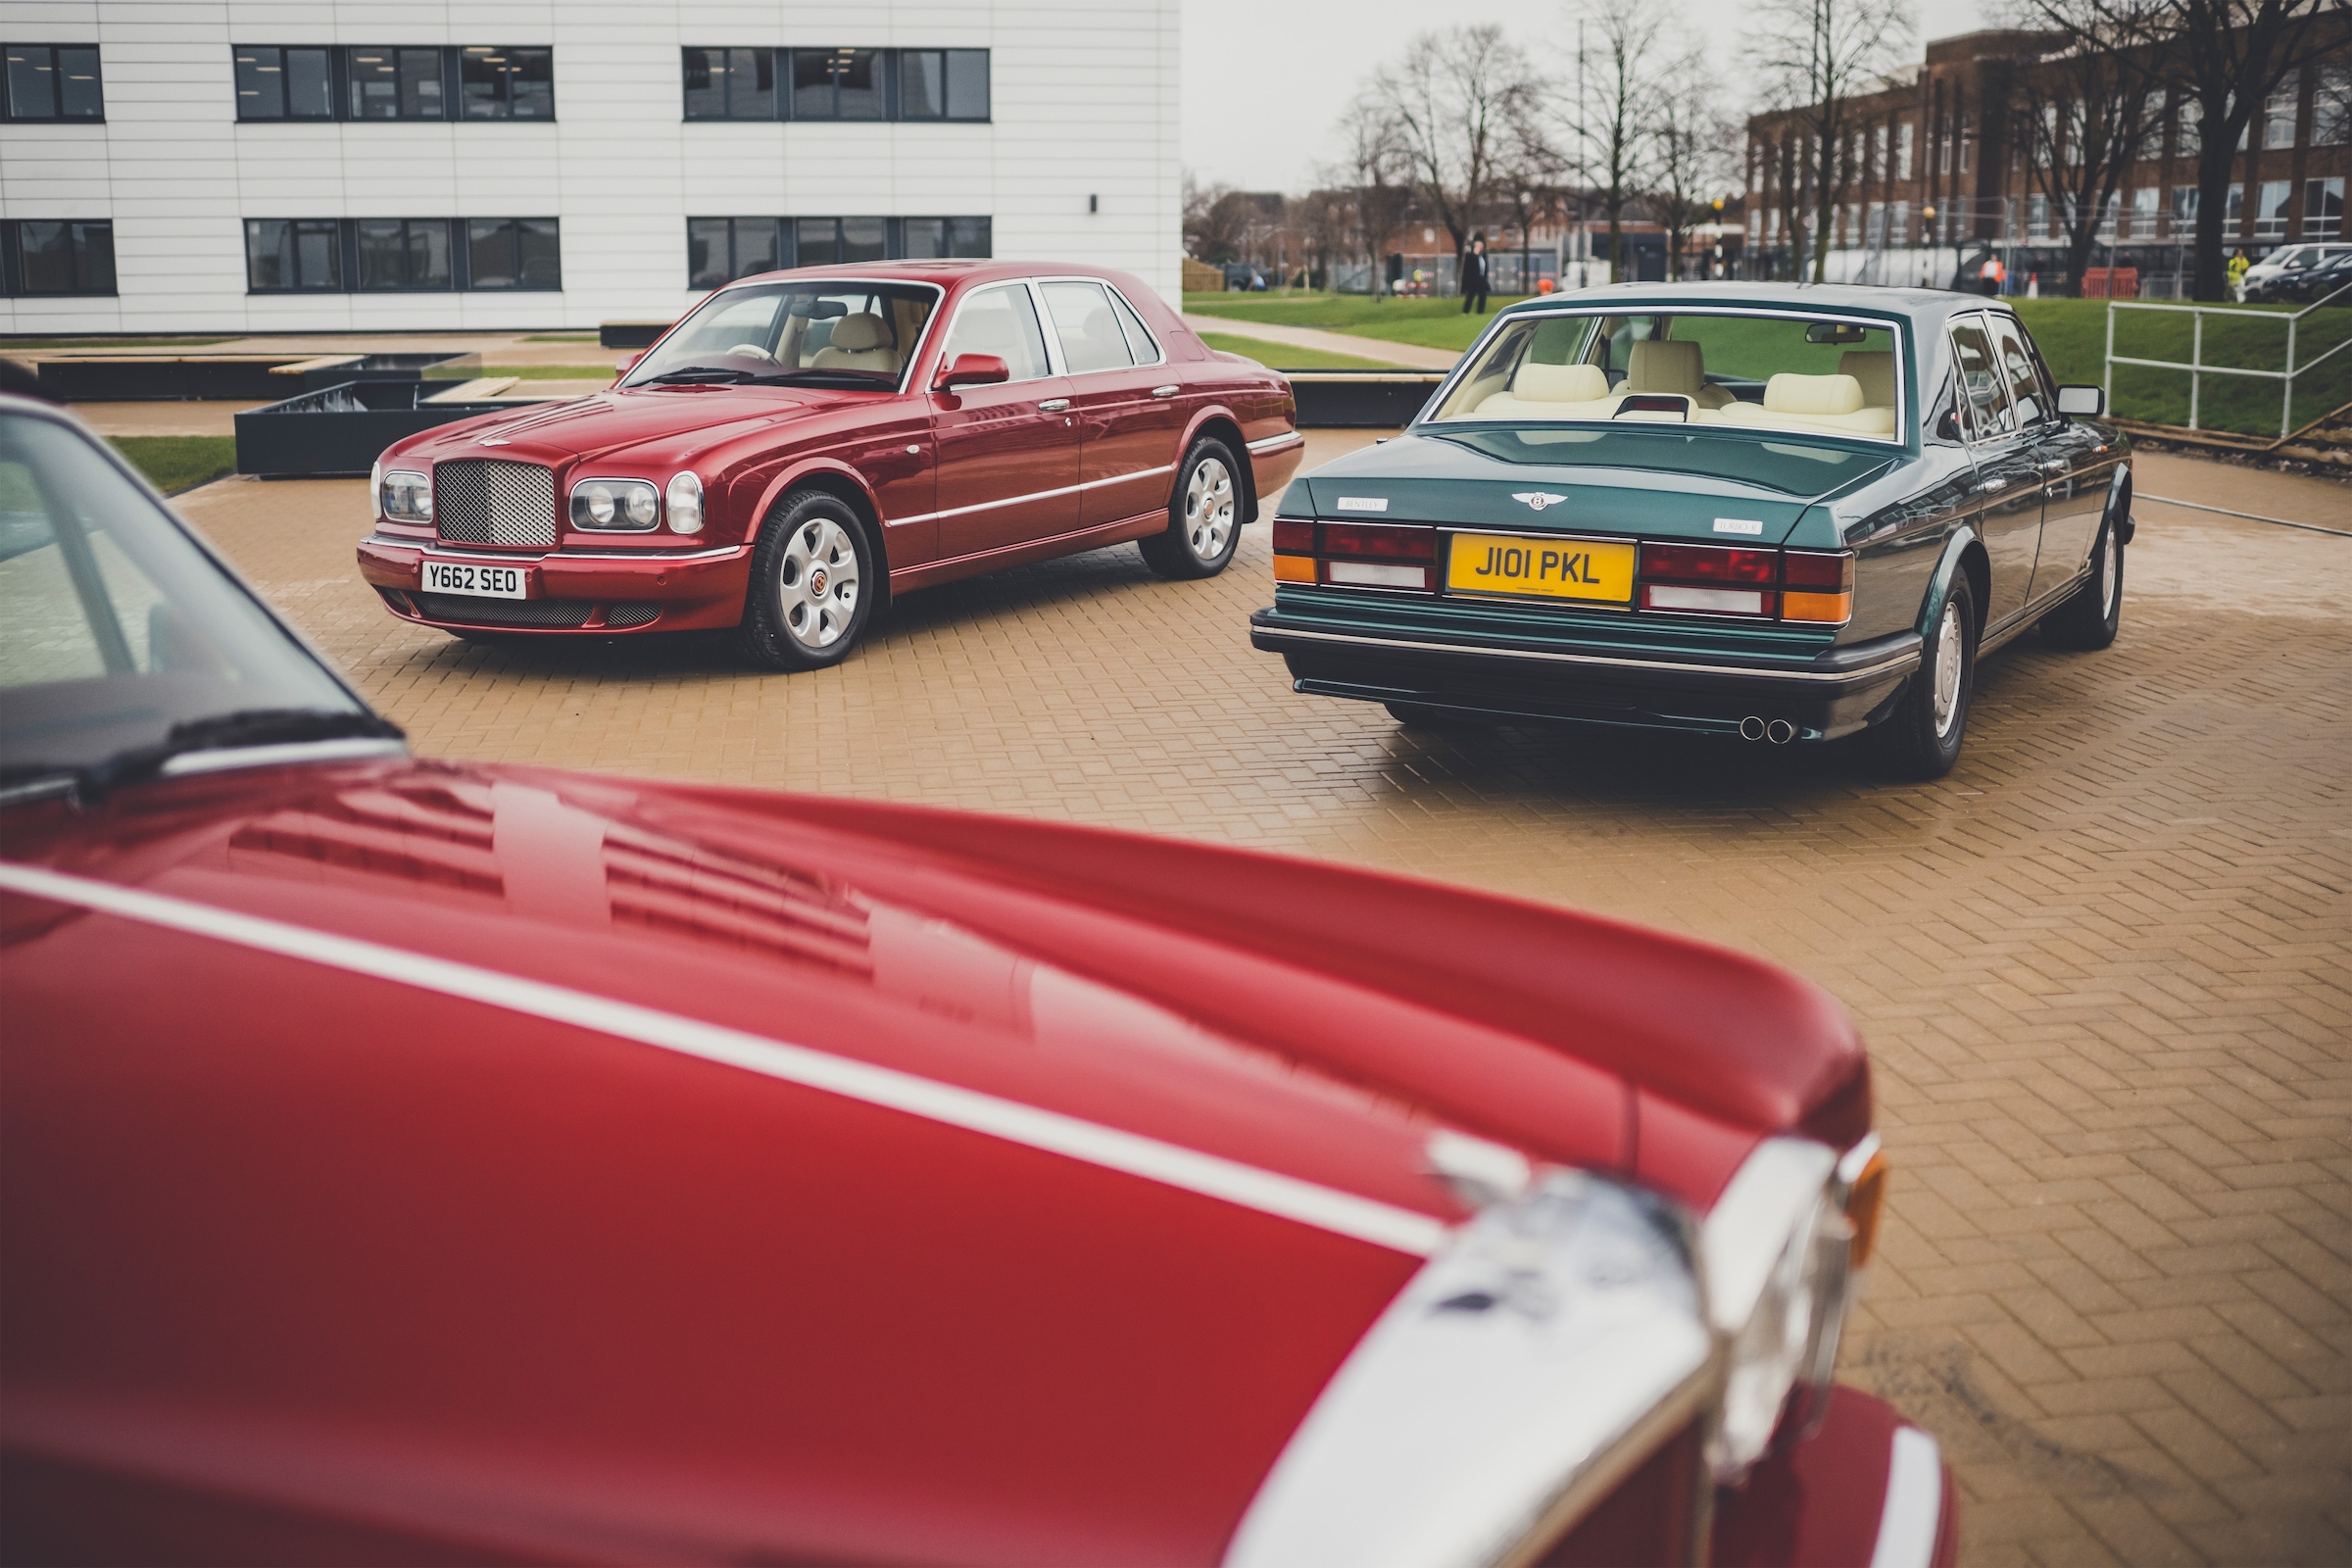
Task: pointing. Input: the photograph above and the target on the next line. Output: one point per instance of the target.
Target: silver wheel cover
(1947, 670)
(2111, 583)
(1209, 509)
(817, 583)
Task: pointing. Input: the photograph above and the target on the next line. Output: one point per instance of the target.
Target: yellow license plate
(1543, 568)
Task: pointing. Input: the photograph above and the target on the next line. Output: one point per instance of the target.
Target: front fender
(2119, 503)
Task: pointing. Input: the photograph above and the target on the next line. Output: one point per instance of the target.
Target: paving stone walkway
(2105, 966)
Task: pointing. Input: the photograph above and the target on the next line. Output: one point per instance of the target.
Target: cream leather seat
(1874, 369)
(1553, 392)
(1661, 364)
(1831, 403)
(859, 342)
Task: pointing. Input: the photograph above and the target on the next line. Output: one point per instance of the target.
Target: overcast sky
(1264, 81)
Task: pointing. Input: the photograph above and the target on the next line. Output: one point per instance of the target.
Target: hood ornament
(1537, 499)
(493, 441)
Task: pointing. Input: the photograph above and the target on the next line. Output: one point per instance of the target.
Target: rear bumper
(1867, 1488)
(1831, 694)
(570, 593)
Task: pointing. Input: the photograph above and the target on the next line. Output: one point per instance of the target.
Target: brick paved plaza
(2105, 966)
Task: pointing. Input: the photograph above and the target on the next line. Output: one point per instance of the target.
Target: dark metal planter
(166, 378)
(341, 430)
(630, 334)
(1376, 400)
(377, 367)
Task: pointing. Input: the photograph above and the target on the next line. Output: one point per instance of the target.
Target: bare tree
(1691, 150)
(1619, 44)
(1217, 222)
(2228, 56)
(1820, 55)
(2085, 105)
(1529, 177)
(1454, 99)
(1376, 168)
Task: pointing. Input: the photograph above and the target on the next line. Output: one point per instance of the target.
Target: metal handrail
(2196, 367)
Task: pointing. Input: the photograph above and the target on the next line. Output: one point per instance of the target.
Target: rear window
(1788, 375)
(1792, 467)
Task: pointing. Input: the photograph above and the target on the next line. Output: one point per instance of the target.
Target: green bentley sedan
(1779, 512)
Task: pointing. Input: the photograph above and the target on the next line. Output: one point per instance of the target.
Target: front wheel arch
(850, 493)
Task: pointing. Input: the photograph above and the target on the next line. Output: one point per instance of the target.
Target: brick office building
(1937, 178)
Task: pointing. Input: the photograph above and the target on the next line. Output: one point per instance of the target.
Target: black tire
(799, 612)
(1921, 738)
(2089, 620)
(1414, 715)
(1204, 515)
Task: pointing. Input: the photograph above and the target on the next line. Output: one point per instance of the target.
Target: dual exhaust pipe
(1779, 731)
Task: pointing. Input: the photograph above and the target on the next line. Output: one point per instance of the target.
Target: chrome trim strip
(1035, 495)
(1291, 1197)
(349, 749)
(1272, 442)
(1900, 662)
(433, 546)
(1914, 1510)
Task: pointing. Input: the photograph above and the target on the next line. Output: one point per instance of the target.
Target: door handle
(1165, 391)
(1990, 485)
(1055, 405)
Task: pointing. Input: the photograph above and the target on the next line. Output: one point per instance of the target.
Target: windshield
(1762, 372)
(838, 332)
(117, 627)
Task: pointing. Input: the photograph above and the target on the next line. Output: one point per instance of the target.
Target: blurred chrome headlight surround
(405, 496)
(685, 502)
(1777, 1251)
(615, 506)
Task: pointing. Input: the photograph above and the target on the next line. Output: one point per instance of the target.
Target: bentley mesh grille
(472, 611)
(488, 501)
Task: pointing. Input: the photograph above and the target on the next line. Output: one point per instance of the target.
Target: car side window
(1001, 320)
(2018, 375)
(1091, 339)
(1140, 341)
(1983, 406)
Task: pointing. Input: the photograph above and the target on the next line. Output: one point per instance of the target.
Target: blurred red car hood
(546, 1164)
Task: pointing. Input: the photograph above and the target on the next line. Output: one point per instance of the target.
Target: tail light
(1725, 580)
(1356, 555)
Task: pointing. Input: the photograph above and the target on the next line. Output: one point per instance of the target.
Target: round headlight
(405, 497)
(686, 503)
(644, 505)
(599, 505)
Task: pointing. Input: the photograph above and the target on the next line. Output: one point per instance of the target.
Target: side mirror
(2082, 402)
(624, 367)
(1947, 428)
(971, 370)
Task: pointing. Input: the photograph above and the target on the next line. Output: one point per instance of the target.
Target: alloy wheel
(1209, 509)
(819, 580)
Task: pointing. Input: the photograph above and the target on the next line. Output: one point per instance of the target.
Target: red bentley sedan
(806, 444)
(404, 1161)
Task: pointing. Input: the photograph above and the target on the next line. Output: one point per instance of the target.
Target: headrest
(1661, 364)
(1874, 369)
(857, 333)
(1812, 394)
(1560, 383)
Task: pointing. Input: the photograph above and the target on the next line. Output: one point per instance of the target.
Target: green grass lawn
(1283, 356)
(1431, 324)
(562, 337)
(2072, 334)
(176, 463)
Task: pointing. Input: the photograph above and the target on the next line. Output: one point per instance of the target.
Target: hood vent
(490, 501)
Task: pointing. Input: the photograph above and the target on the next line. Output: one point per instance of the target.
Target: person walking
(2236, 272)
(1474, 275)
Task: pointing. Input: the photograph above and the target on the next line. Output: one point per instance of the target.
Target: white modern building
(193, 166)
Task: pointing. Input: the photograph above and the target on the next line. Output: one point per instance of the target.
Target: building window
(943, 85)
(2191, 139)
(2323, 208)
(387, 255)
(396, 83)
(1902, 150)
(2143, 213)
(2037, 217)
(495, 82)
(2271, 211)
(832, 241)
(868, 84)
(2233, 215)
(929, 238)
(2185, 209)
(513, 253)
(2278, 112)
(404, 252)
(730, 83)
(40, 257)
(276, 83)
(55, 81)
(293, 254)
(2332, 107)
(720, 250)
